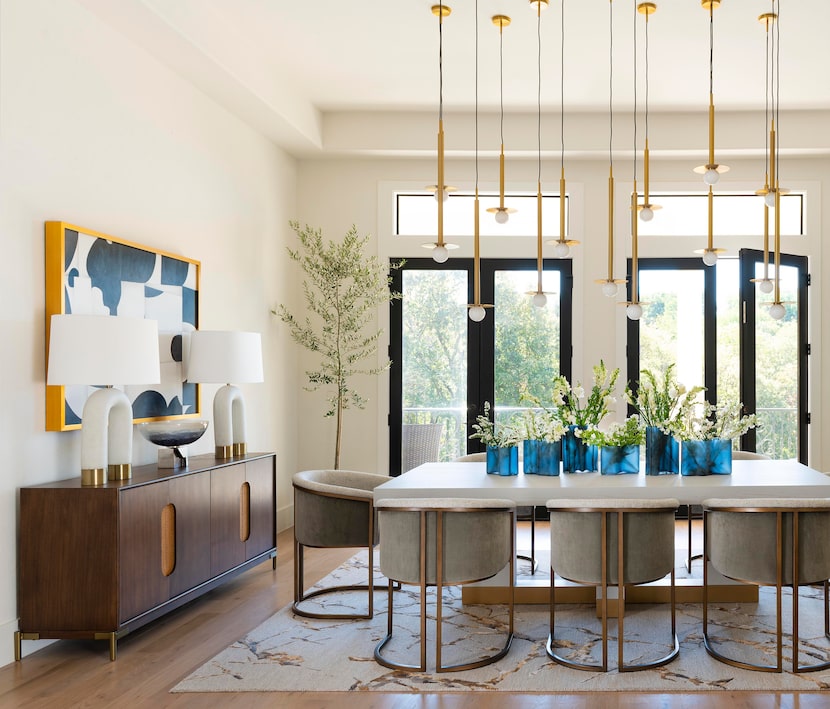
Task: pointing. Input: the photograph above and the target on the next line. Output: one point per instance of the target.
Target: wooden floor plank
(156, 657)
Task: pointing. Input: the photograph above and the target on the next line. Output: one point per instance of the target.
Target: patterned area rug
(290, 653)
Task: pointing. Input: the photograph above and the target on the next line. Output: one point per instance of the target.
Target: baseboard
(285, 517)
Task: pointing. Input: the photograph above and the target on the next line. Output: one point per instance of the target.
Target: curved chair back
(475, 536)
(748, 455)
(471, 458)
(420, 443)
(742, 537)
(635, 540)
(330, 507)
(648, 539)
(334, 508)
(768, 542)
(449, 541)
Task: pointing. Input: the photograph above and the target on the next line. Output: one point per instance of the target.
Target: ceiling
(287, 67)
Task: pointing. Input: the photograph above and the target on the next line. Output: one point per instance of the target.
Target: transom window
(416, 215)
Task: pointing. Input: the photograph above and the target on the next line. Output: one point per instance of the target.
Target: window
(416, 215)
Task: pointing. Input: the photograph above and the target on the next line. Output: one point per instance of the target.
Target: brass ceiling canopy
(443, 10)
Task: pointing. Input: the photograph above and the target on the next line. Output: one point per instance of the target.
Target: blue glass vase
(616, 460)
(662, 452)
(503, 460)
(713, 457)
(577, 456)
(542, 457)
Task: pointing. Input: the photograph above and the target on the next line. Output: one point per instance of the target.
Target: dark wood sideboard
(98, 562)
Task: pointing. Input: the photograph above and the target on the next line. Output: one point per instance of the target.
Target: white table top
(749, 478)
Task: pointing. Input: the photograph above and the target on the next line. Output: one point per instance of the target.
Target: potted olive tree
(342, 289)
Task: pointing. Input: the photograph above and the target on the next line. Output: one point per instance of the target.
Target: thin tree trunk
(339, 431)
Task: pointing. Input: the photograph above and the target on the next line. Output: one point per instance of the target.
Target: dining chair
(768, 542)
(442, 542)
(606, 543)
(524, 513)
(334, 509)
(697, 513)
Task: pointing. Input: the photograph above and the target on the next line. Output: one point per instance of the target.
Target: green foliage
(342, 289)
(628, 433)
(575, 409)
(491, 434)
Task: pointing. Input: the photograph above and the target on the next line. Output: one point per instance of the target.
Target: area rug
(290, 653)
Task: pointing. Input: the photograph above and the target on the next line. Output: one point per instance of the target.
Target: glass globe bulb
(477, 313)
(710, 257)
(444, 192)
(609, 289)
(634, 311)
(440, 254)
(561, 250)
(711, 177)
(769, 199)
(502, 216)
(777, 311)
(646, 214)
(765, 286)
(540, 300)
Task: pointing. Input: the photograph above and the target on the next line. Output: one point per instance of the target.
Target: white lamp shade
(222, 357)
(102, 350)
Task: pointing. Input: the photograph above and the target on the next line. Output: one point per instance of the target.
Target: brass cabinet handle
(168, 539)
(245, 512)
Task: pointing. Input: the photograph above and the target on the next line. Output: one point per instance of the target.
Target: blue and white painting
(104, 277)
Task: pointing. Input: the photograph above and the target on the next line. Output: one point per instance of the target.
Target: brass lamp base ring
(93, 477)
(119, 471)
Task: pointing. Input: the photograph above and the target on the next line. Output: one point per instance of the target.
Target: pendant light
(777, 309)
(540, 297)
(633, 307)
(765, 285)
(609, 284)
(562, 245)
(646, 208)
(475, 310)
(440, 249)
(502, 213)
(711, 171)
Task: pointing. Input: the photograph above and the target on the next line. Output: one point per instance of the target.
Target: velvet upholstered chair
(697, 513)
(440, 542)
(334, 508)
(607, 543)
(524, 513)
(768, 542)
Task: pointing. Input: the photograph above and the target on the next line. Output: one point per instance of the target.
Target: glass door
(774, 358)
(445, 366)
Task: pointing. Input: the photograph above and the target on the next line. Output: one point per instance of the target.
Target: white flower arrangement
(705, 422)
(501, 436)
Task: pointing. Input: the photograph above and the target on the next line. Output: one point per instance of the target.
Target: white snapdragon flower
(579, 392)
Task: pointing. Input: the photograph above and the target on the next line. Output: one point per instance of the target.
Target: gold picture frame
(88, 272)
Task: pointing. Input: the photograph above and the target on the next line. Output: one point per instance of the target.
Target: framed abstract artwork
(89, 273)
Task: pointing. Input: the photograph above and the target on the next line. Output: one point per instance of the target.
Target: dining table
(749, 479)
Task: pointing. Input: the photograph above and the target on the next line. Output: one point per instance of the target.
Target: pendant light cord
(476, 91)
(539, 95)
(767, 91)
(501, 82)
(635, 92)
(645, 61)
(562, 89)
(611, 85)
(440, 63)
(777, 81)
(711, 47)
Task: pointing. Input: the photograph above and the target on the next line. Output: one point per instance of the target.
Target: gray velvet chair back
(476, 540)
(741, 544)
(648, 538)
(330, 507)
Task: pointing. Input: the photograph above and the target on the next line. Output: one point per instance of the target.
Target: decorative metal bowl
(172, 434)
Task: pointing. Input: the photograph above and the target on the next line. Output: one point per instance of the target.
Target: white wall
(97, 133)
(333, 194)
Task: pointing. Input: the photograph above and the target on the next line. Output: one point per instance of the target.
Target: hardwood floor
(153, 659)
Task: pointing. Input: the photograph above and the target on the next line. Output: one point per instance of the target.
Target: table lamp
(221, 357)
(104, 350)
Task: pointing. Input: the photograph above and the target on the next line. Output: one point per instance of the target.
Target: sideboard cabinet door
(190, 497)
(227, 548)
(259, 474)
(143, 583)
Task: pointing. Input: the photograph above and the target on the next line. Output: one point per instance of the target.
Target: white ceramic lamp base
(229, 422)
(106, 437)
